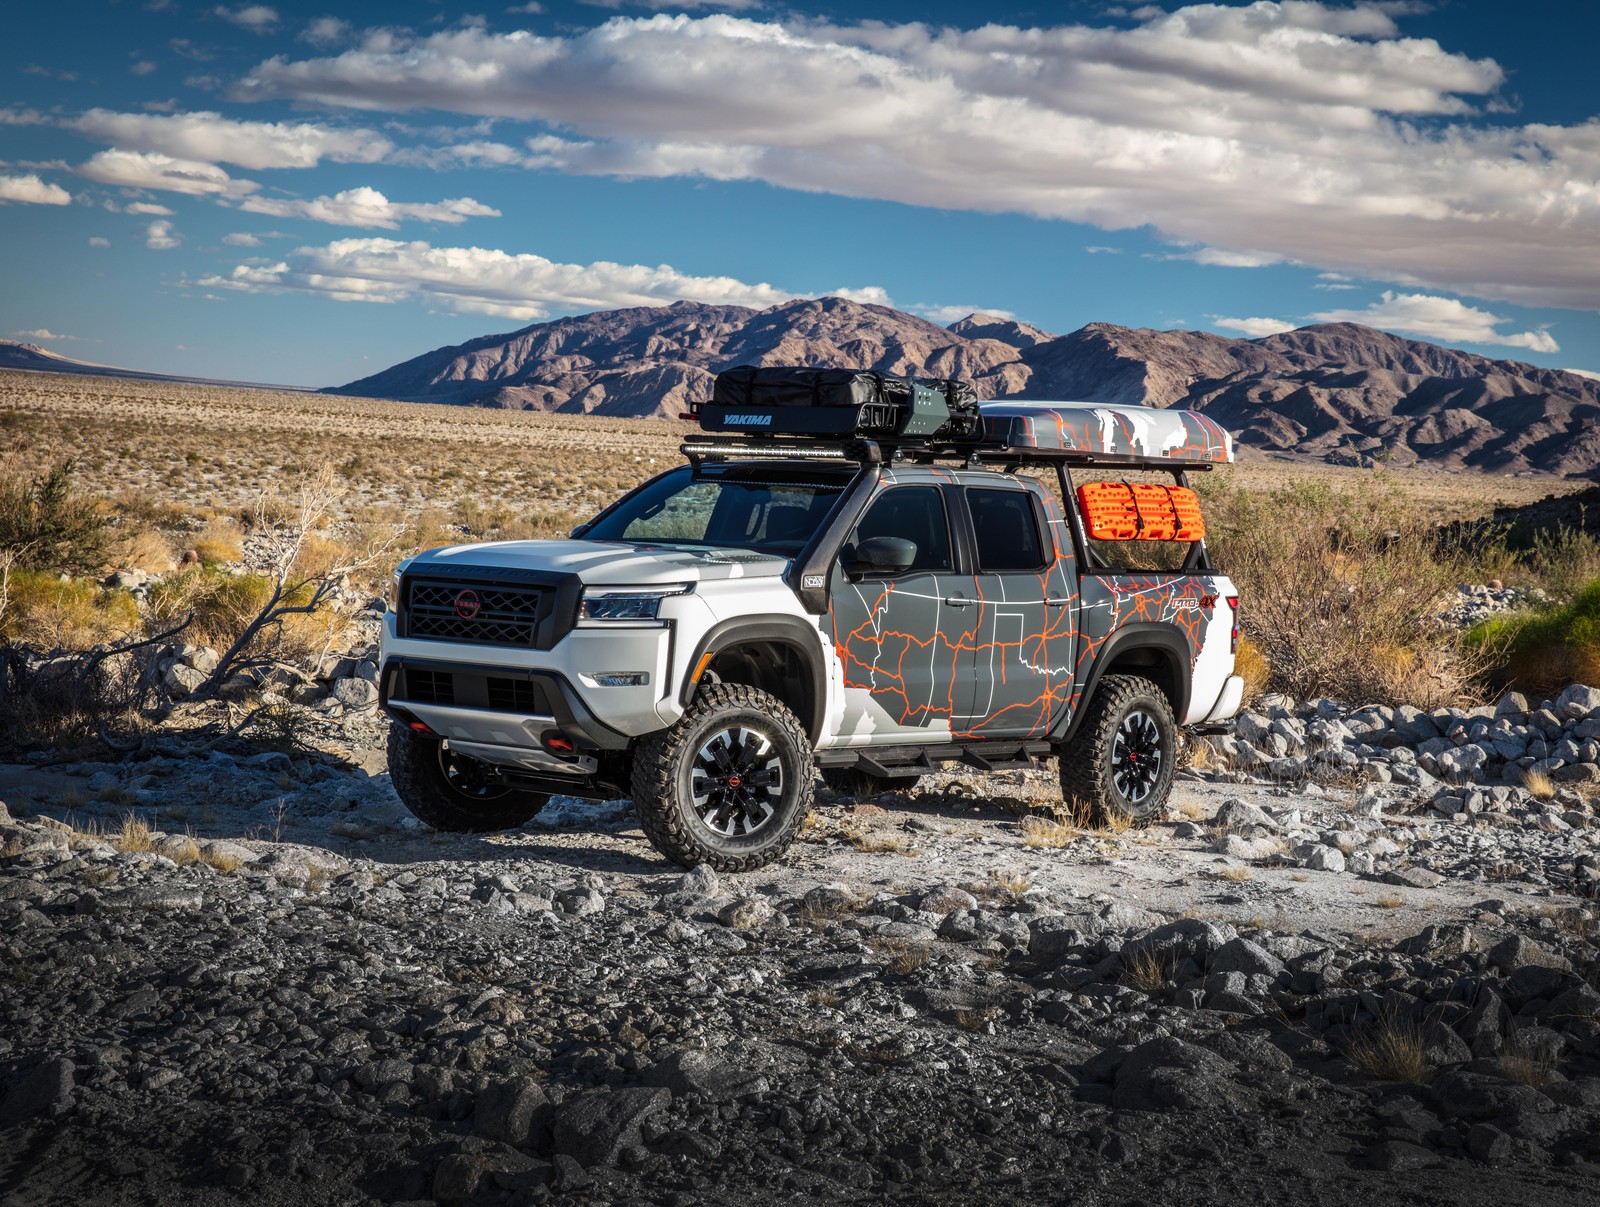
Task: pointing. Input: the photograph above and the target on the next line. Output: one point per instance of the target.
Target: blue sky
(306, 193)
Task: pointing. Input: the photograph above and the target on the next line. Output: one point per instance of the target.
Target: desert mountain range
(1337, 391)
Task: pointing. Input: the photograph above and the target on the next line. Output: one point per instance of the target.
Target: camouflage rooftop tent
(1093, 427)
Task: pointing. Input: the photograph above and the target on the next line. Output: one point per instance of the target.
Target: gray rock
(1169, 1074)
(1251, 850)
(944, 900)
(1578, 701)
(457, 1178)
(166, 898)
(1239, 814)
(506, 1109)
(1242, 956)
(355, 693)
(581, 902)
(1459, 1094)
(697, 886)
(1187, 938)
(44, 1090)
(594, 1127)
(1413, 877)
(182, 681)
(1320, 858)
(1488, 1143)
(746, 913)
(1518, 951)
(1512, 704)
(695, 1072)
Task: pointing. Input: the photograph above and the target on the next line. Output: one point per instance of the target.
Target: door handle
(959, 601)
(1056, 603)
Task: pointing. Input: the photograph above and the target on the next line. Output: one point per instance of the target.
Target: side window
(916, 514)
(1007, 530)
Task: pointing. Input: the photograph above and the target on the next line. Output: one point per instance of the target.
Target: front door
(1021, 679)
(903, 640)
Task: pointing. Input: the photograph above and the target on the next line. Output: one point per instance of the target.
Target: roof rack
(973, 453)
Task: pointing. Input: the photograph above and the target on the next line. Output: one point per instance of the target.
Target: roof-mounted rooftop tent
(1146, 433)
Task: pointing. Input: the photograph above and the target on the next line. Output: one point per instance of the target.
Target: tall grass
(1542, 651)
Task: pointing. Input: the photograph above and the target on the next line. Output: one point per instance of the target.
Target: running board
(899, 762)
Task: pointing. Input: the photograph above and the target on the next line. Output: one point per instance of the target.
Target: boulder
(506, 1110)
(593, 1127)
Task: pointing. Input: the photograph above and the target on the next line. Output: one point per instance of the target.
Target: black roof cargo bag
(802, 400)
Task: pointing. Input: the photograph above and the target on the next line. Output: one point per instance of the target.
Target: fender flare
(1141, 636)
(788, 631)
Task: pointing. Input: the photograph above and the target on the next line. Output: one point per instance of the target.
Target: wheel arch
(781, 655)
(1152, 651)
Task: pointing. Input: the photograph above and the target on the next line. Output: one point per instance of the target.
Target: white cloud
(1218, 257)
(143, 67)
(1442, 319)
(945, 315)
(257, 18)
(478, 280)
(99, 241)
(212, 138)
(159, 236)
(43, 333)
(1333, 286)
(532, 8)
(145, 207)
(1255, 328)
(1584, 373)
(1102, 250)
(139, 170)
(1292, 131)
(370, 208)
(326, 31)
(676, 5)
(241, 239)
(29, 188)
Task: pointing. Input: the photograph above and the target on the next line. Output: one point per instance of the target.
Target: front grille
(513, 695)
(430, 687)
(486, 613)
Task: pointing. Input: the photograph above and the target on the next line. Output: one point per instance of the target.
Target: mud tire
(1100, 784)
(417, 768)
(666, 763)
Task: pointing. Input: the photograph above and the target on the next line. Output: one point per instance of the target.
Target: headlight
(627, 603)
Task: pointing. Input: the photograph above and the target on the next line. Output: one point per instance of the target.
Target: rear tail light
(1233, 603)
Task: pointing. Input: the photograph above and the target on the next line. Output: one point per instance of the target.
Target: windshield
(770, 515)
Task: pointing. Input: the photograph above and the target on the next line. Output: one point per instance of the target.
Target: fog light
(619, 678)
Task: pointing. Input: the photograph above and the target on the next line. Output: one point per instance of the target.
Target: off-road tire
(1127, 711)
(417, 770)
(664, 769)
(863, 785)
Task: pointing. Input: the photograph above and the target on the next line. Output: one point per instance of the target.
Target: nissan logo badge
(468, 605)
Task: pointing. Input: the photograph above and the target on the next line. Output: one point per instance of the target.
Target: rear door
(1026, 628)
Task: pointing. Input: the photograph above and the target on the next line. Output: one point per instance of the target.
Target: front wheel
(730, 784)
(1117, 769)
(450, 792)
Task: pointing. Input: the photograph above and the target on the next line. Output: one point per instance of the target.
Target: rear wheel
(730, 784)
(863, 785)
(451, 792)
(1118, 767)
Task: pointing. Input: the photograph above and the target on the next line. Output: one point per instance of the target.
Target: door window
(915, 514)
(1007, 530)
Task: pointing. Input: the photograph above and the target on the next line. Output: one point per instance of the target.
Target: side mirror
(880, 555)
(578, 532)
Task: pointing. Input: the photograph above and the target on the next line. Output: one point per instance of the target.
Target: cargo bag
(806, 401)
(962, 400)
(1122, 511)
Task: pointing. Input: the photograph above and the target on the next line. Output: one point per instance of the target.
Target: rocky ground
(1353, 963)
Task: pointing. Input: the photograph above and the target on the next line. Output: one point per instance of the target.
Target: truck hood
(606, 563)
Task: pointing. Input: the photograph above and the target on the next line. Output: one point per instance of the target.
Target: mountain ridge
(1338, 391)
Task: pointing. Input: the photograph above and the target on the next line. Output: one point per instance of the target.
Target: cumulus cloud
(1443, 319)
(42, 334)
(145, 207)
(1255, 328)
(675, 5)
(257, 18)
(326, 31)
(1294, 131)
(141, 170)
(368, 207)
(99, 241)
(1217, 257)
(30, 189)
(212, 138)
(945, 315)
(159, 236)
(478, 280)
(241, 239)
(1584, 373)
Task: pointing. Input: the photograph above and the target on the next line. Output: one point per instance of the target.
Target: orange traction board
(1143, 511)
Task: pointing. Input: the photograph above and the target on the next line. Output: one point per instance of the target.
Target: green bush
(1543, 651)
(48, 612)
(45, 526)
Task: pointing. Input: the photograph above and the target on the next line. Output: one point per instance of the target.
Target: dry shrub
(1251, 665)
(1538, 785)
(1390, 1050)
(220, 603)
(133, 838)
(220, 542)
(1339, 591)
(1142, 970)
(141, 548)
(1046, 833)
(72, 614)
